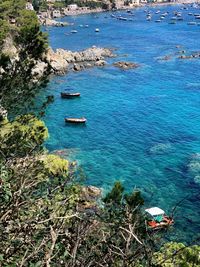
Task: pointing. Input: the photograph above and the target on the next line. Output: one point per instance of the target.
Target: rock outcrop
(126, 65)
(62, 60)
(52, 22)
(59, 61)
(38, 70)
(3, 114)
(88, 198)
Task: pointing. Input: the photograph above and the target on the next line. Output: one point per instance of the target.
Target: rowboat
(69, 95)
(76, 120)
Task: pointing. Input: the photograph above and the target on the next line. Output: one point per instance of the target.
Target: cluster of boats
(70, 95)
(120, 17)
(177, 16)
(159, 17)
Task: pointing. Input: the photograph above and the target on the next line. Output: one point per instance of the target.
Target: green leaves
(22, 136)
(115, 195)
(177, 254)
(134, 199)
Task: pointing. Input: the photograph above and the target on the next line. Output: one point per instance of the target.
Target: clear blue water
(143, 124)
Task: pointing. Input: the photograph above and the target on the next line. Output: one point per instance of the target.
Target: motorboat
(157, 219)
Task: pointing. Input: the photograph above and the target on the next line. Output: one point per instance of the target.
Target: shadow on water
(75, 125)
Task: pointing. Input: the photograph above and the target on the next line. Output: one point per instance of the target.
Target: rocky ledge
(61, 61)
(126, 65)
(52, 22)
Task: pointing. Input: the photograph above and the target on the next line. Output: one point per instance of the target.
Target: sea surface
(143, 125)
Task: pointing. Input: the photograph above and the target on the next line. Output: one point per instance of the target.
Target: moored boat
(76, 120)
(69, 95)
(157, 219)
(172, 22)
(192, 23)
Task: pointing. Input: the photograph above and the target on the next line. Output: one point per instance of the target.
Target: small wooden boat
(69, 95)
(76, 120)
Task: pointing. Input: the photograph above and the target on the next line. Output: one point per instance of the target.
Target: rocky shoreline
(61, 61)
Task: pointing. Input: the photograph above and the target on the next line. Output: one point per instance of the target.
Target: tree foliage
(177, 254)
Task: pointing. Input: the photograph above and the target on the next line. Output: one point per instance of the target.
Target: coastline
(100, 10)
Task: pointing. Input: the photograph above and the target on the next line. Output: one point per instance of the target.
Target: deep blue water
(143, 124)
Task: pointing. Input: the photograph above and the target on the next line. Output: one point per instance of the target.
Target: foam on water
(143, 124)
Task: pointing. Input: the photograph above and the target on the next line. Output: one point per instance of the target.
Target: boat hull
(70, 95)
(75, 120)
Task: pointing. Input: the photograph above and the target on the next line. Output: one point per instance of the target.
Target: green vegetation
(22, 40)
(33, 41)
(177, 254)
(47, 218)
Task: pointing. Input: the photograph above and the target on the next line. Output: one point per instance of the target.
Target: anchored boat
(76, 120)
(157, 219)
(69, 95)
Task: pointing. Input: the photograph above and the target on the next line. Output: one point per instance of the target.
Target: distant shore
(99, 10)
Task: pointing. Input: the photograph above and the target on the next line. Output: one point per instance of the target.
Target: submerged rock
(126, 65)
(194, 167)
(160, 148)
(167, 57)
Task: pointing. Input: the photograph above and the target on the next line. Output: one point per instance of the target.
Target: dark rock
(126, 65)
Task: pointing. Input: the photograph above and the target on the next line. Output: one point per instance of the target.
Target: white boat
(96, 30)
(74, 31)
(172, 22)
(192, 23)
(157, 219)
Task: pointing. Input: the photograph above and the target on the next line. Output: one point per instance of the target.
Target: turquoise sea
(143, 125)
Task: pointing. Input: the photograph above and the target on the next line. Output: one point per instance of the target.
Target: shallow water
(143, 124)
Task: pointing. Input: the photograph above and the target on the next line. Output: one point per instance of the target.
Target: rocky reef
(194, 167)
(126, 65)
(59, 61)
(160, 148)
